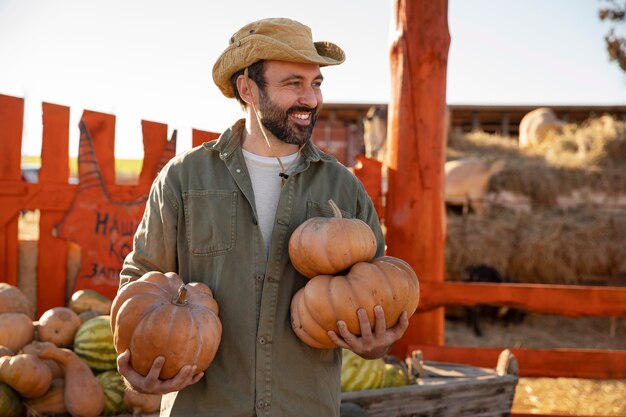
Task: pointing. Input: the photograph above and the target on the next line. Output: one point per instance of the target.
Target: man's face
(291, 100)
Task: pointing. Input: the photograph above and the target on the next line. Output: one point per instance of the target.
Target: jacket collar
(230, 141)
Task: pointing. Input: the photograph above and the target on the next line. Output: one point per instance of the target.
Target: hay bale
(550, 247)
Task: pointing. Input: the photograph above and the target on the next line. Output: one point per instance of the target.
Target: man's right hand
(151, 384)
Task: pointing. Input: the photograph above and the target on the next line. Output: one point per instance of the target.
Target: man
(223, 213)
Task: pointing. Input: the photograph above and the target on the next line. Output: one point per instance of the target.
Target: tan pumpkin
(52, 402)
(13, 300)
(16, 330)
(83, 394)
(328, 245)
(159, 315)
(55, 368)
(26, 374)
(139, 403)
(58, 325)
(386, 281)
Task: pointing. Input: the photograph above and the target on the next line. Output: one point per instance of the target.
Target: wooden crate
(446, 390)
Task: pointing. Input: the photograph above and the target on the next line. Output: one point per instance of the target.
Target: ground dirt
(555, 395)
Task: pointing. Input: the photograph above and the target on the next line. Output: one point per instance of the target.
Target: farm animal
(507, 315)
(467, 182)
(375, 132)
(535, 125)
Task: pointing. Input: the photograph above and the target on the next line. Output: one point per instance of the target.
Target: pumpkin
(13, 300)
(26, 374)
(386, 281)
(10, 402)
(359, 374)
(328, 245)
(16, 330)
(52, 402)
(138, 402)
(59, 326)
(55, 368)
(93, 343)
(114, 388)
(88, 299)
(83, 394)
(159, 315)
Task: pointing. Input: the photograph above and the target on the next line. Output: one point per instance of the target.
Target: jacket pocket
(315, 209)
(210, 220)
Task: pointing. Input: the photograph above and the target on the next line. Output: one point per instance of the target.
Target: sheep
(467, 183)
(535, 126)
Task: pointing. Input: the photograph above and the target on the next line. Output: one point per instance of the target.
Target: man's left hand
(370, 345)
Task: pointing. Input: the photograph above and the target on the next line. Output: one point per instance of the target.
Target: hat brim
(255, 48)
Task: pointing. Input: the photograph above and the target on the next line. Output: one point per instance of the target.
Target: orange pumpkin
(13, 300)
(58, 325)
(386, 281)
(328, 245)
(159, 315)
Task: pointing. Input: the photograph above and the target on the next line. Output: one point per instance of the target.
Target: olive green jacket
(200, 222)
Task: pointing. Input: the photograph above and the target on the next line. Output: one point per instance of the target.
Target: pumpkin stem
(180, 299)
(336, 211)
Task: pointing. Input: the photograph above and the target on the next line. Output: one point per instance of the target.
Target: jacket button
(262, 340)
(259, 277)
(261, 404)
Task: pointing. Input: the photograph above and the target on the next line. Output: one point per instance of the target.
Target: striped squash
(114, 388)
(360, 374)
(93, 344)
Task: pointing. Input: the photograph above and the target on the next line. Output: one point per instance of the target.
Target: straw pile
(548, 244)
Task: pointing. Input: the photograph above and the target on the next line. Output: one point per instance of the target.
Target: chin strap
(283, 174)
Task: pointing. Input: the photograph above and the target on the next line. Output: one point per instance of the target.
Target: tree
(615, 45)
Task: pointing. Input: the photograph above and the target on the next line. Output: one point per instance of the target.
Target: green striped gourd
(360, 374)
(114, 388)
(87, 299)
(93, 344)
(10, 402)
(395, 376)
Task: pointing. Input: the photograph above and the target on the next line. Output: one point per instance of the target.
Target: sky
(152, 59)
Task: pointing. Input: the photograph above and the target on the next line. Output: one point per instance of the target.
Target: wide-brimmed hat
(277, 39)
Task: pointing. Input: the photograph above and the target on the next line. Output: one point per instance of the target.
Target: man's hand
(151, 384)
(370, 345)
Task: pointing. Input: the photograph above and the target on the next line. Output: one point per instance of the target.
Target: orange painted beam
(573, 300)
(54, 176)
(567, 363)
(11, 122)
(417, 131)
(369, 172)
(198, 137)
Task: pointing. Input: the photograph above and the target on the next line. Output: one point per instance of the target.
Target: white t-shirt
(266, 185)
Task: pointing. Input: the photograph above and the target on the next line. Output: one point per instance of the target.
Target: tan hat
(277, 39)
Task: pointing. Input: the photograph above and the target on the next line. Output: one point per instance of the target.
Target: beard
(276, 120)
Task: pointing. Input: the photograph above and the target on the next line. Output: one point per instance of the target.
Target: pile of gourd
(63, 363)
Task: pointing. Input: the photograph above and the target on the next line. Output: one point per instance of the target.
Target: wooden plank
(55, 191)
(154, 141)
(574, 300)
(11, 121)
(568, 363)
(448, 397)
(369, 172)
(198, 137)
(101, 127)
(417, 132)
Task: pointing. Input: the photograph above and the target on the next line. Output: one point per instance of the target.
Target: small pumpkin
(159, 315)
(52, 402)
(328, 245)
(88, 299)
(16, 330)
(59, 326)
(386, 281)
(13, 300)
(26, 374)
